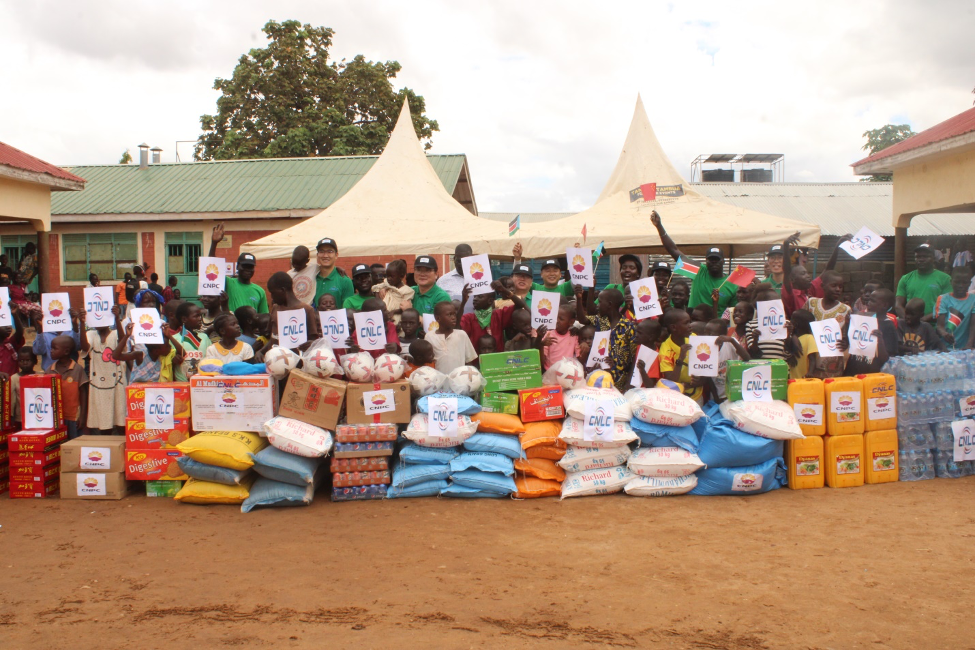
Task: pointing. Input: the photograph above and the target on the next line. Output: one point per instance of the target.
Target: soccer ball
(321, 363)
(358, 366)
(279, 361)
(388, 367)
(426, 380)
(600, 379)
(465, 380)
(568, 373)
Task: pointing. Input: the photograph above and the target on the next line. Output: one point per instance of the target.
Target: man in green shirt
(925, 283)
(329, 279)
(551, 274)
(363, 283)
(426, 292)
(709, 277)
(241, 292)
(775, 262)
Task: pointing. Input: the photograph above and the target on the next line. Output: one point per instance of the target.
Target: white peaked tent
(399, 207)
(621, 216)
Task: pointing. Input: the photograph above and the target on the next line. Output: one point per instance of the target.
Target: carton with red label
(38, 458)
(4, 485)
(232, 403)
(139, 437)
(136, 399)
(40, 440)
(544, 403)
(154, 465)
(6, 403)
(40, 402)
(34, 473)
(32, 490)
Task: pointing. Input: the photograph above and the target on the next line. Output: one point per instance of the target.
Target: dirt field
(879, 566)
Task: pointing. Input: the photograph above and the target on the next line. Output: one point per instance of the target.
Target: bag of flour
(663, 406)
(595, 481)
(773, 420)
(573, 434)
(650, 486)
(664, 462)
(297, 437)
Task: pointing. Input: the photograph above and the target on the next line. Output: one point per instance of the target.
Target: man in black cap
(240, 291)
(775, 264)
(363, 283)
(710, 275)
(551, 274)
(926, 283)
(662, 273)
(329, 279)
(426, 292)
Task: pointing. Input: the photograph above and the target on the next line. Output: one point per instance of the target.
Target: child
(363, 284)
(703, 313)
(303, 275)
(327, 302)
(585, 336)
(501, 323)
(106, 377)
(674, 351)
(192, 339)
(914, 334)
(622, 346)
(169, 314)
(283, 298)
(742, 315)
(26, 360)
(829, 307)
(452, 347)
(803, 350)
(769, 349)
(524, 336)
(228, 346)
(214, 306)
(729, 350)
(955, 312)
(486, 345)
(148, 360)
(394, 293)
(647, 334)
(74, 384)
(478, 323)
(421, 354)
(678, 294)
(410, 323)
(262, 330)
(861, 305)
(247, 317)
(11, 340)
(560, 343)
(148, 299)
(879, 302)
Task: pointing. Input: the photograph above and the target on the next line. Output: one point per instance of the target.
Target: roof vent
(143, 156)
(156, 152)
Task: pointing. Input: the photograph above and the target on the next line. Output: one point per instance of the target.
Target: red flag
(648, 191)
(584, 233)
(741, 276)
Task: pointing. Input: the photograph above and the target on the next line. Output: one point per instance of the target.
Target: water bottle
(916, 438)
(943, 437)
(916, 465)
(946, 467)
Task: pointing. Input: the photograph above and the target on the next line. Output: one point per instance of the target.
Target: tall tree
(289, 100)
(878, 139)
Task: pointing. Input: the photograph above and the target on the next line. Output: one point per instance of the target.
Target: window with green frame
(107, 255)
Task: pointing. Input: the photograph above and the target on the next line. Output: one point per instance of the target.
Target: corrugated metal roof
(956, 125)
(14, 157)
(226, 185)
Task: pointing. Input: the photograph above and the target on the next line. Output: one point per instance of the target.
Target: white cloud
(538, 95)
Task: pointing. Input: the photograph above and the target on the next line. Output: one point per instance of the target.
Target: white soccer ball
(321, 363)
(465, 380)
(279, 361)
(388, 368)
(568, 373)
(358, 366)
(426, 380)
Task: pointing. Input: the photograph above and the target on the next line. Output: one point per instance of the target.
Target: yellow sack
(498, 423)
(230, 449)
(205, 492)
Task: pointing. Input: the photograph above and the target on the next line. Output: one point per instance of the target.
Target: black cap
(425, 261)
(776, 249)
(523, 269)
(246, 259)
(551, 262)
(360, 269)
(327, 241)
(714, 252)
(660, 266)
(924, 247)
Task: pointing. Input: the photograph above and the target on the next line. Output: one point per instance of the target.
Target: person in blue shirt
(955, 312)
(42, 344)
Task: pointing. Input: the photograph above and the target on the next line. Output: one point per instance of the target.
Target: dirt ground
(886, 566)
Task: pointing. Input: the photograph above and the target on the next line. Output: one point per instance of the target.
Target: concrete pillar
(900, 253)
(44, 283)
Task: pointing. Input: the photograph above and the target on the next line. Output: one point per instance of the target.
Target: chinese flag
(741, 276)
(648, 191)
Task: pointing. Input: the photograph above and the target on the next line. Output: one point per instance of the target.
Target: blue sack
(266, 492)
(484, 461)
(466, 405)
(741, 481)
(485, 481)
(495, 443)
(455, 490)
(213, 473)
(426, 489)
(660, 435)
(723, 445)
(243, 368)
(407, 475)
(413, 454)
(284, 467)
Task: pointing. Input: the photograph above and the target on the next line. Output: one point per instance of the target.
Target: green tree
(878, 139)
(126, 158)
(289, 100)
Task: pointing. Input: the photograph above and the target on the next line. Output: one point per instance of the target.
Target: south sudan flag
(953, 319)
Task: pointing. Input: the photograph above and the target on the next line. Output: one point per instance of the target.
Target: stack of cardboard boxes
(93, 467)
(514, 385)
(35, 450)
(150, 452)
(6, 428)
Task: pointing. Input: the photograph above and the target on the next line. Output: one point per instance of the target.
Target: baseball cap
(714, 252)
(245, 259)
(551, 262)
(359, 269)
(327, 241)
(924, 247)
(660, 266)
(425, 261)
(776, 249)
(522, 269)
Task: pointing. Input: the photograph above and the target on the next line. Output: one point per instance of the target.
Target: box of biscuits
(136, 399)
(94, 454)
(139, 437)
(154, 465)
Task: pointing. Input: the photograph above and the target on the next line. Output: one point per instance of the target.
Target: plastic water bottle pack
(916, 465)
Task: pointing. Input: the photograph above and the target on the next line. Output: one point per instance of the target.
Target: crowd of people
(928, 310)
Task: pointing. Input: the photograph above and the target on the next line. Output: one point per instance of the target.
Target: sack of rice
(663, 406)
(664, 462)
(575, 401)
(773, 420)
(596, 481)
(650, 486)
(581, 459)
(620, 435)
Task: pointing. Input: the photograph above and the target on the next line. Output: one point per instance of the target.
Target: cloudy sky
(537, 94)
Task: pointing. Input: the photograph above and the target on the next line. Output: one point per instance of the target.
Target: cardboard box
(778, 377)
(359, 493)
(165, 489)
(154, 465)
(139, 437)
(6, 403)
(363, 449)
(544, 403)
(350, 479)
(99, 486)
(34, 473)
(40, 402)
(40, 440)
(500, 403)
(511, 370)
(4, 486)
(32, 490)
(35, 458)
(225, 403)
(358, 412)
(369, 464)
(4, 457)
(94, 454)
(314, 400)
(136, 398)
